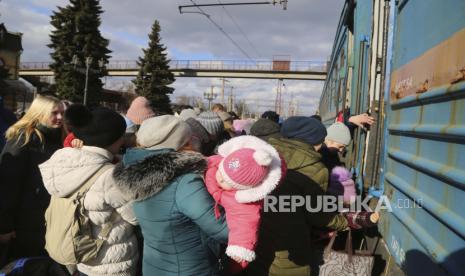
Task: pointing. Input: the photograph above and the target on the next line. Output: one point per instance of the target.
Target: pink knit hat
(139, 110)
(257, 162)
(245, 168)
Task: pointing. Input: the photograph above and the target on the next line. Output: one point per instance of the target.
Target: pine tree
(154, 76)
(76, 37)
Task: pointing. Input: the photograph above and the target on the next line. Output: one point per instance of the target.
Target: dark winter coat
(330, 158)
(284, 246)
(23, 197)
(211, 148)
(303, 158)
(7, 118)
(175, 211)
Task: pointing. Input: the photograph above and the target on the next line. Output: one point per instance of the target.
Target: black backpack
(33, 266)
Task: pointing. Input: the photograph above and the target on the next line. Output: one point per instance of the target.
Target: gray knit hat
(163, 132)
(211, 122)
(187, 113)
(339, 133)
(198, 130)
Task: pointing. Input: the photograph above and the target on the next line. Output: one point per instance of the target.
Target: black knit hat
(307, 129)
(100, 127)
(271, 115)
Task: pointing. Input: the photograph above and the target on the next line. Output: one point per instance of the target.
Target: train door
(362, 20)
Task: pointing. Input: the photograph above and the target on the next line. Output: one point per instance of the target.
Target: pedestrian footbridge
(272, 69)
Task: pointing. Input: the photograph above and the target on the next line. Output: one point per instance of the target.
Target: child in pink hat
(244, 172)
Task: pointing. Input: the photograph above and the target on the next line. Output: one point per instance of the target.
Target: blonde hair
(39, 112)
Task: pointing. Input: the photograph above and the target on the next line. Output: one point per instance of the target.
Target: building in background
(12, 90)
(10, 51)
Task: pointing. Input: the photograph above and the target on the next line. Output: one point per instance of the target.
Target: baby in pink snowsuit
(246, 170)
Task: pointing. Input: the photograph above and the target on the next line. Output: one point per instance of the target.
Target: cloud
(305, 32)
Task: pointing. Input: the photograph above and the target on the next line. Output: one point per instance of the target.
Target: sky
(305, 32)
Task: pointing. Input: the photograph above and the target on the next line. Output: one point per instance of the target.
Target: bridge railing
(35, 65)
(213, 65)
(245, 65)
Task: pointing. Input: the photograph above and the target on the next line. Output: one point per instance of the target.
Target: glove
(358, 220)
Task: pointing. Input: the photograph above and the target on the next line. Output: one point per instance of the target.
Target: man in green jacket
(284, 246)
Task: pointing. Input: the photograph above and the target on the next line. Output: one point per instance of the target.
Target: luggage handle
(348, 247)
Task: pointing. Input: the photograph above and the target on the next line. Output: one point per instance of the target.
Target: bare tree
(190, 100)
(183, 100)
(241, 108)
(198, 102)
(128, 87)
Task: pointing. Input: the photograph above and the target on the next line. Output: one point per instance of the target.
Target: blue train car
(404, 62)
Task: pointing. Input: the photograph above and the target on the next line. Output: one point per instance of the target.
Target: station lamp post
(88, 62)
(209, 96)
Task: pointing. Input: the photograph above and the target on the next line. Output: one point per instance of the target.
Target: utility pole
(279, 100)
(222, 90)
(292, 110)
(231, 99)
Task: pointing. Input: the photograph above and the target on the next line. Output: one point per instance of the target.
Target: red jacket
(69, 138)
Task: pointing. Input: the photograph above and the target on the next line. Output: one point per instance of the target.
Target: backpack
(33, 266)
(68, 237)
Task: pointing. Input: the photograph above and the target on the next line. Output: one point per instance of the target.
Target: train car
(404, 63)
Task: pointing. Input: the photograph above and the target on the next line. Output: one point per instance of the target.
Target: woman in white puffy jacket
(101, 131)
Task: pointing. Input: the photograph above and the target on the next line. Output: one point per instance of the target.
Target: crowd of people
(179, 194)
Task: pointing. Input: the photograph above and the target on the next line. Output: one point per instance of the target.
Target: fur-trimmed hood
(144, 173)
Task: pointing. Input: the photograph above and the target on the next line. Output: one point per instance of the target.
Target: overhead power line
(227, 4)
(283, 3)
(240, 29)
(222, 30)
